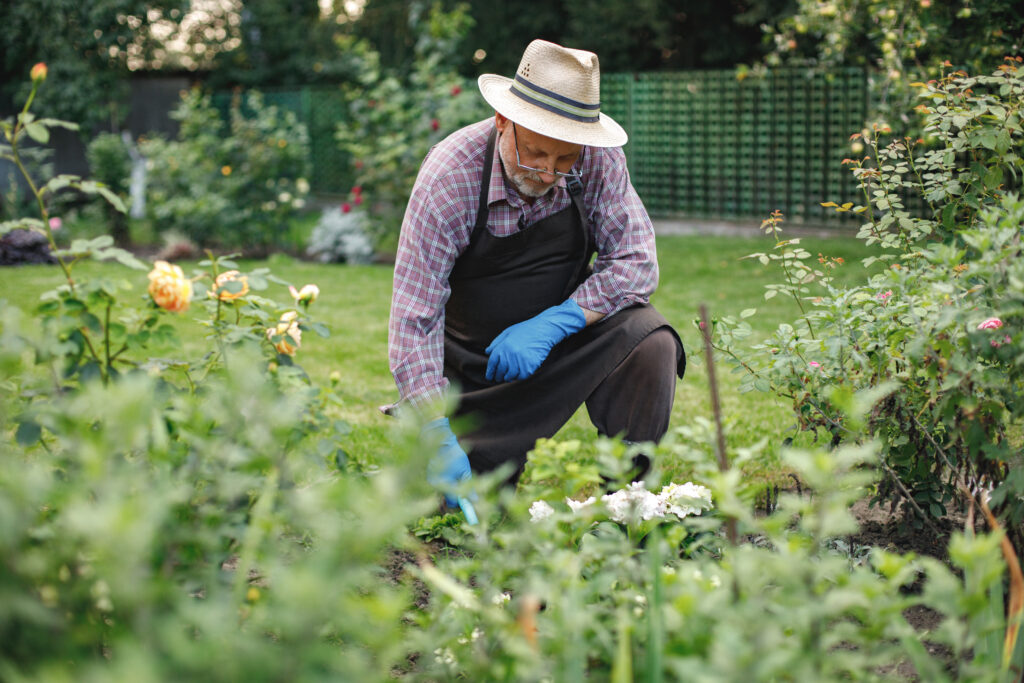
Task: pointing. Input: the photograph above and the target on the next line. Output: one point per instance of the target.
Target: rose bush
(935, 335)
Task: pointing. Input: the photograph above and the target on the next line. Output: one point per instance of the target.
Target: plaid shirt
(438, 223)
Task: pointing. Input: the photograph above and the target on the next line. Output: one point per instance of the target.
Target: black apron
(500, 281)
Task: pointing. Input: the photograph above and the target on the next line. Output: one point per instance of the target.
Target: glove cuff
(570, 316)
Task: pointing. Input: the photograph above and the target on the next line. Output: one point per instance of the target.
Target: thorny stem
(941, 451)
(920, 181)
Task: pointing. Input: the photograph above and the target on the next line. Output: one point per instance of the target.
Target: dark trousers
(635, 400)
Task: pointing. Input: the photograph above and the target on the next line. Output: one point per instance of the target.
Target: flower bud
(38, 72)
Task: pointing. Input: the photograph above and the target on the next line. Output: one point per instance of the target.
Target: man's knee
(657, 354)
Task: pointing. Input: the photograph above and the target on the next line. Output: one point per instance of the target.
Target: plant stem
(106, 342)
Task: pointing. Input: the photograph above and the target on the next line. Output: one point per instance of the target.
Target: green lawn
(354, 304)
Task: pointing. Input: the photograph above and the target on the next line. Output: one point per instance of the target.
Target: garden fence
(707, 144)
(703, 144)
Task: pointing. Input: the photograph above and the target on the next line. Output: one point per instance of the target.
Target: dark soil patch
(895, 533)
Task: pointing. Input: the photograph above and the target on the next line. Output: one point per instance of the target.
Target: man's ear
(500, 122)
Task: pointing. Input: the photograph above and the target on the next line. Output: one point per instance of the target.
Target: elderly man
(523, 275)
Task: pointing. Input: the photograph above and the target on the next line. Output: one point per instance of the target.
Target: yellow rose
(288, 333)
(169, 287)
(220, 289)
(307, 295)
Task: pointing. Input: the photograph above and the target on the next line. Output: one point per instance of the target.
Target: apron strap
(575, 186)
(482, 212)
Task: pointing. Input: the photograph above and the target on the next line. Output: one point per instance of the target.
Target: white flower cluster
(635, 503)
(540, 511)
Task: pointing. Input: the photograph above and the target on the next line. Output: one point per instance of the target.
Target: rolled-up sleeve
(626, 268)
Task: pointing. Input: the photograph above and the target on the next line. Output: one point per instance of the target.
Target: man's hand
(450, 466)
(519, 350)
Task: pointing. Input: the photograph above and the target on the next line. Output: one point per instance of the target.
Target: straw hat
(556, 92)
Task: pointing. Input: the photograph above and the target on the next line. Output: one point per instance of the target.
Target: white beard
(527, 183)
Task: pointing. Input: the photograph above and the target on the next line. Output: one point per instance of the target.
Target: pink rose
(990, 324)
(56, 223)
(815, 364)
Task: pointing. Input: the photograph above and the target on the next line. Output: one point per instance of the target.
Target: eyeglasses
(558, 174)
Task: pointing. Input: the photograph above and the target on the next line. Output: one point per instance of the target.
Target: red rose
(434, 124)
(357, 190)
(358, 200)
(456, 90)
(346, 207)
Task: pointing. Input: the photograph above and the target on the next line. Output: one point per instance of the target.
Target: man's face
(536, 150)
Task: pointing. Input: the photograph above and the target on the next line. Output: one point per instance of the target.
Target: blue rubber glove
(450, 466)
(519, 350)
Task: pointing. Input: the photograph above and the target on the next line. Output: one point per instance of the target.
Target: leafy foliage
(233, 185)
(110, 163)
(935, 337)
(91, 46)
(903, 43)
(167, 517)
(395, 119)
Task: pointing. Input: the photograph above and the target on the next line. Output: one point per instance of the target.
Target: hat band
(555, 103)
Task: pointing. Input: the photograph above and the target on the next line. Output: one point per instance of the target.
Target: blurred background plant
(233, 185)
(341, 236)
(110, 163)
(395, 117)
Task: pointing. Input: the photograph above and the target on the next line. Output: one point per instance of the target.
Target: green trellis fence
(703, 144)
(320, 108)
(706, 144)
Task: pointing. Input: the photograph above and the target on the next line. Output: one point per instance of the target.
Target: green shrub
(937, 334)
(229, 186)
(111, 164)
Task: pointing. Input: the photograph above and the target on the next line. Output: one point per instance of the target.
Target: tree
(642, 35)
(903, 42)
(91, 46)
(282, 43)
